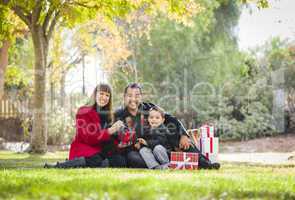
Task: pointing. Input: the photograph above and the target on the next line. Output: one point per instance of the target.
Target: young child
(154, 145)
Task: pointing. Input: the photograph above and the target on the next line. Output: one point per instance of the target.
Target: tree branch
(36, 12)
(52, 25)
(22, 31)
(49, 65)
(84, 5)
(47, 18)
(74, 62)
(72, 57)
(21, 13)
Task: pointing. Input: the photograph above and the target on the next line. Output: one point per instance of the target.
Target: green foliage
(279, 55)
(15, 78)
(10, 26)
(22, 54)
(260, 3)
(199, 74)
(42, 17)
(178, 58)
(19, 73)
(278, 58)
(4, 25)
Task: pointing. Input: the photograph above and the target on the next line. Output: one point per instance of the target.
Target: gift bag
(207, 131)
(209, 145)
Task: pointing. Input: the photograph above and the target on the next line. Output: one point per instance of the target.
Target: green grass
(21, 177)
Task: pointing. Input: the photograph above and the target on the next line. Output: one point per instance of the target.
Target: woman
(94, 144)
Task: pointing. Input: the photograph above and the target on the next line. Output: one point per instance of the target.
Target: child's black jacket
(159, 136)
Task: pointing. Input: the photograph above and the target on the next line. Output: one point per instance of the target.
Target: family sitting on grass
(140, 135)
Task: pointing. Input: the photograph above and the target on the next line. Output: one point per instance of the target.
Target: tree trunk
(52, 95)
(39, 135)
(62, 89)
(3, 64)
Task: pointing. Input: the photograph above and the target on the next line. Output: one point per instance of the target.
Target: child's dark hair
(133, 86)
(158, 109)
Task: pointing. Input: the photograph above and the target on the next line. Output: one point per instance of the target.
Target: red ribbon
(211, 145)
(208, 131)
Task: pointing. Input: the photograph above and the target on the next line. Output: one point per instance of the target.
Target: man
(137, 111)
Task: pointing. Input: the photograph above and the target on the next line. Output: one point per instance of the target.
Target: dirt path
(257, 158)
(271, 150)
(281, 143)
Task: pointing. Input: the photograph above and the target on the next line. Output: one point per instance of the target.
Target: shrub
(60, 126)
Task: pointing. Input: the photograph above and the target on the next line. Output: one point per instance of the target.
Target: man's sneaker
(215, 166)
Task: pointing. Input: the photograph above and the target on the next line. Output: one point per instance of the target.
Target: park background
(226, 62)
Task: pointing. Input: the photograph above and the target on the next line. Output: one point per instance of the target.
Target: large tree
(42, 16)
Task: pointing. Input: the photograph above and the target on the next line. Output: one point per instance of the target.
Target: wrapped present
(213, 157)
(209, 145)
(207, 131)
(184, 160)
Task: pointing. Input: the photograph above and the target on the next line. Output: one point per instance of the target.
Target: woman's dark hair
(132, 86)
(109, 107)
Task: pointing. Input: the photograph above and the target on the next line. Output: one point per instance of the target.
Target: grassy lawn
(22, 177)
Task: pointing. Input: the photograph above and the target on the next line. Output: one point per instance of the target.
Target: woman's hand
(142, 141)
(116, 127)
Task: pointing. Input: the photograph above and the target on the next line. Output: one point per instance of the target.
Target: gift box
(209, 145)
(207, 131)
(184, 160)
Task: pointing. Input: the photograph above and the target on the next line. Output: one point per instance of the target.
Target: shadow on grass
(25, 163)
(264, 195)
(22, 160)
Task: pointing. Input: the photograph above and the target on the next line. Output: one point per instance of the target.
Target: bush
(243, 112)
(60, 127)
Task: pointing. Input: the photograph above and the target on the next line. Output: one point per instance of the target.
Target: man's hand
(184, 142)
(137, 146)
(142, 141)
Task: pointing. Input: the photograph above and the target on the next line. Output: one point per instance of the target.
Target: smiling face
(155, 118)
(102, 98)
(132, 98)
